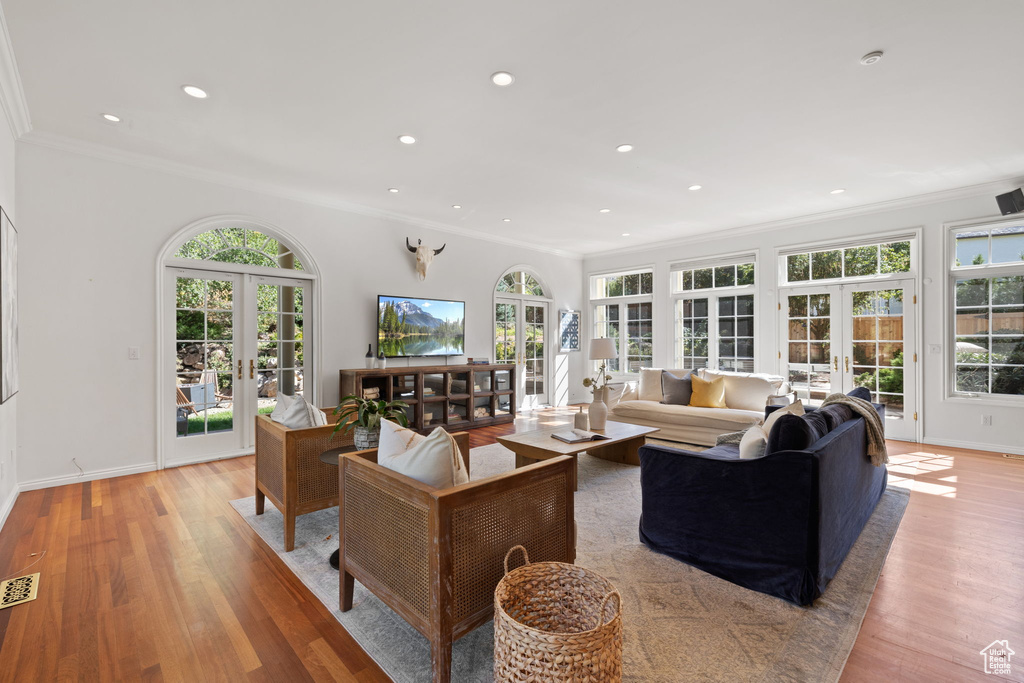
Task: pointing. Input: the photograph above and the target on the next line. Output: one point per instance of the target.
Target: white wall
(948, 421)
(91, 234)
(9, 410)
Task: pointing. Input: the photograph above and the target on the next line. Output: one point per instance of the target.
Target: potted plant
(368, 413)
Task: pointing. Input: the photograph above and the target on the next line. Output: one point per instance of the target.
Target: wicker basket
(553, 622)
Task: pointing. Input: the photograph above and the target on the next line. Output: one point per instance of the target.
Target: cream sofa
(746, 395)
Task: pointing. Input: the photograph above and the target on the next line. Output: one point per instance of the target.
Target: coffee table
(622, 445)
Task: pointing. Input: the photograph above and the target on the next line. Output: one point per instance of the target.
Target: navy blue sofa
(781, 524)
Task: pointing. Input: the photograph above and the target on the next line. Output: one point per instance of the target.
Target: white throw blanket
(876, 430)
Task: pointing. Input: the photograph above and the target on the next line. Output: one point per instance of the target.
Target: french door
(838, 337)
(519, 337)
(239, 341)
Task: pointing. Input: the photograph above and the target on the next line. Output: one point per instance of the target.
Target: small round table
(331, 458)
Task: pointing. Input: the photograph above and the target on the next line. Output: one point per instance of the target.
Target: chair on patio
(434, 556)
(289, 471)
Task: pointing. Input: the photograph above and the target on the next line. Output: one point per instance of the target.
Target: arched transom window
(239, 245)
(520, 282)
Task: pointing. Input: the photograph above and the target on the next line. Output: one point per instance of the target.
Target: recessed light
(112, 118)
(507, 220)
(694, 188)
(456, 206)
(502, 78)
(624, 148)
(407, 139)
(393, 190)
(838, 190)
(604, 210)
(625, 234)
(195, 91)
(871, 58)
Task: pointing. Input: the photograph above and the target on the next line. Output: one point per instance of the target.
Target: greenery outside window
(856, 261)
(717, 277)
(623, 309)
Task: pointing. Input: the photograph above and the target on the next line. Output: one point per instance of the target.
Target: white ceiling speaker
(871, 57)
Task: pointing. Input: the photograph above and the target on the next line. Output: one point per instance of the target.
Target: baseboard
(8, 505)
(205, 458)
(972, 446)
(92, 475)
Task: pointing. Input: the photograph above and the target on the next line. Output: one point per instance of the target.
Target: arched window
(239, 245)
(519, 282)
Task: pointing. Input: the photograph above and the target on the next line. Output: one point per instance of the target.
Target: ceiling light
(694, 187)
(871, 58)
(195, 91)
(112, 118)
(456, 206)
(604, 210)
(507, 220)
(502, 78)
(407, 139)
(625, 234)
(624, 148)
(393, 190)
(838, 190)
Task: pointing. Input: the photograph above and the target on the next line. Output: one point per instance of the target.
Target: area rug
(680, 623)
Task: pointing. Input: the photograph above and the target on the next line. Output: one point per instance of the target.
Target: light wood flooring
(154, 577)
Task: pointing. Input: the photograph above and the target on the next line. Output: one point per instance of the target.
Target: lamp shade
(602, 349)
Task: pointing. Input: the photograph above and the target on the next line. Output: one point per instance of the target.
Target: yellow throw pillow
(708, 393)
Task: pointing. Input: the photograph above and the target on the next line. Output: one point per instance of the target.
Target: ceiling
(764, 104)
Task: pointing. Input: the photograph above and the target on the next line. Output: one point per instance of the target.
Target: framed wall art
(569, 331)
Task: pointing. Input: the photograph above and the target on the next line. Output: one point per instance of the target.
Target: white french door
(838, 337)
(521, 327)
(238, 342)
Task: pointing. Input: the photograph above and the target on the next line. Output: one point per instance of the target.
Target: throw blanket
(876, 431)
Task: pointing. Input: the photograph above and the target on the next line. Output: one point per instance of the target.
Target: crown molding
(12, 96)
(993, 187)
(153, 163)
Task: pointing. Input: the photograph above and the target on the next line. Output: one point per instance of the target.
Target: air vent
(16, 591)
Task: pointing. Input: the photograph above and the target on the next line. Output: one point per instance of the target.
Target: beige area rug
(681, 623)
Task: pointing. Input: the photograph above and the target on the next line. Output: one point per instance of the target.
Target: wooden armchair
(289, 471)
(434, 556)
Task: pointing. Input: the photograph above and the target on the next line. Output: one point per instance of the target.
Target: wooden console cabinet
(455, 397)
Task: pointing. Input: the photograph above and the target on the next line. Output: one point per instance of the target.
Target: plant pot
(598, 411)
(366, 439)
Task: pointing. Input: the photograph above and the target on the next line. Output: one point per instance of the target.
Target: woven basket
(553, 622)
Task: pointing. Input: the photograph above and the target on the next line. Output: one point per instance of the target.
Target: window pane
(1008, 246)
(646, 283)
(725, 276)
(702, 279)
(798, 268)
(745, 305)
(1008, 290)
(745, 274)
(861, 261)
(895, 257)
(972, 248)
(631, 284)
(826, 265)
(687, 279)
(972, 292)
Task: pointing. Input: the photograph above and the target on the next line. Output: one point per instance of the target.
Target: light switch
(935, 348)
(133, 353)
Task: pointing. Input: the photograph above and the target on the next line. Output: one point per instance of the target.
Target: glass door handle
(835, 363)
(252, 365)
(239, 368)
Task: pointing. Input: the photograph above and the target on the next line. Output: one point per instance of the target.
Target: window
(239, 245)
(988, 309)
(520, 282)
(623, 310)
(854, 261)
(714, 328)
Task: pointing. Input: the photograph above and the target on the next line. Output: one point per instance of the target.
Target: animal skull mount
(424, 256)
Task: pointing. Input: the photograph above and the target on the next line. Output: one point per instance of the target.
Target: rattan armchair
(435, 556)
(289, 471)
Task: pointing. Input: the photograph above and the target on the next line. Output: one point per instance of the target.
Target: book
(577, 436)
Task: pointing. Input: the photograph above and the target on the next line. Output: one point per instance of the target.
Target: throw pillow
(836, 414)
(614, 395)
(650, 384)
(395, 440)
(860, 392)
(676, 390)
(708, 393)
(744, 392)
(790, 433)
(796, 408)
(435, 460)
(294, 412)
(753, 443)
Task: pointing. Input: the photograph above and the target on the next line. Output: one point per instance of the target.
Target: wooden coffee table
(622, 445)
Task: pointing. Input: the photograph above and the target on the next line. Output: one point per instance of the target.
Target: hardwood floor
(154, 577)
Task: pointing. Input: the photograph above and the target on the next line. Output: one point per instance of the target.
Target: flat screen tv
(409, 327)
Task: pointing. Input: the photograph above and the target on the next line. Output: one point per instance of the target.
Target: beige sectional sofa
(746, 395)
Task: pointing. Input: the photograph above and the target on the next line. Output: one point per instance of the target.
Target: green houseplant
(368, 414)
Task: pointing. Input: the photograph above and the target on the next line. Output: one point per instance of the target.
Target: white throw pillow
(795, 408)
(434, 460)
(295, 413)
(743, 392)
(650, 384)
(753, 443)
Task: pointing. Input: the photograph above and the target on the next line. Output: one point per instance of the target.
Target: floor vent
(16, 591)
(1013, 456)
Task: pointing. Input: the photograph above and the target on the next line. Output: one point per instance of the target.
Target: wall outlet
(986, 420)
(133, 353)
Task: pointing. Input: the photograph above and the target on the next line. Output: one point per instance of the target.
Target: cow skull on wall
(424, 256)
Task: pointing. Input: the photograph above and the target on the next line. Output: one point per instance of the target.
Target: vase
(580, 420)
(598, 411)
(366, 439)
(382, 362)
(369, 357)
